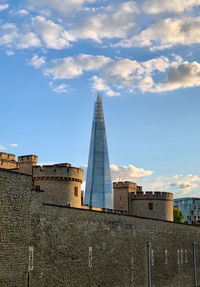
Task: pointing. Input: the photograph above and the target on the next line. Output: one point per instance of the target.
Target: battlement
(150, 195)
(7, 156)
(124, 184)
(24, 159)
(58, 171)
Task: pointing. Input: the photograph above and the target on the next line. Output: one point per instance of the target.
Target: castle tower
(26, 163)
(122, 193)
(98, 191)
(7, 161)
(61, 183)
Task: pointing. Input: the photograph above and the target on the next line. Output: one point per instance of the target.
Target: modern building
(190, 207)
(99, 190)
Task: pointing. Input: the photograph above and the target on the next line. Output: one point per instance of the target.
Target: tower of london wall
(50, 245)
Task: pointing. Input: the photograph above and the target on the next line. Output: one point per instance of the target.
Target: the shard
(99, 190)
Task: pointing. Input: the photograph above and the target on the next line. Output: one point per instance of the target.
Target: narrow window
(30, 267)
(166, 257)
(186, 257)
(37, 187)
(181, 256)
(152, 257)
(150, 205)
(178, 258)
(76, 191)
(90, 257)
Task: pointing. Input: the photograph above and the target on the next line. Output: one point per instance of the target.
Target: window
(76, 191)
(37, 187)
(150, 205)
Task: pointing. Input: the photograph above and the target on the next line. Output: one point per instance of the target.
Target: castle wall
(15, 196)
(87, 248)
(75, 247)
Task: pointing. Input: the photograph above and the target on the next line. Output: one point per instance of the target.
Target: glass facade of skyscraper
(190, 207)
(99, 190)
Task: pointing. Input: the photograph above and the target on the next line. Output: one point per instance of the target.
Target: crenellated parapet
(150, 195)
(8, 156)
(7, 161)
(124, 184)
(63, 171)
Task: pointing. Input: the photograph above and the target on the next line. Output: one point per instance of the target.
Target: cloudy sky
(142, 56)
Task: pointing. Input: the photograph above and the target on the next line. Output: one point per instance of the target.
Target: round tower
(61, 183)
(158, 205)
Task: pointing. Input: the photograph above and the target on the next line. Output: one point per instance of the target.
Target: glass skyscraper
(99, 192)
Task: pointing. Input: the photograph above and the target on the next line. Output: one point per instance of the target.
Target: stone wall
(74, 247)
(15, 196)
(88, 248)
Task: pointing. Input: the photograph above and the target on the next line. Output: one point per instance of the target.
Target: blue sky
(56, 55)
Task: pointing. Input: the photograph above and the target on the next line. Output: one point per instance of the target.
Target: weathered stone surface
(63, 237)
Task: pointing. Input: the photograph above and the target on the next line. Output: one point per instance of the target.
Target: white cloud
(115, 21)
(183, 76)
(128, 173)
(4, 7)
(37, 62)
(115, 75)
(180, 185)
(71, 67)
(29, 40)
(131, 74)
(22, 12)
(100, 85)
(2, 147)
(10, 53)
(62, 88)
(53, 35)
(11, 37)
(8, 34)
(173, 6)
(62, 6)
(166, 34)
(13, 145)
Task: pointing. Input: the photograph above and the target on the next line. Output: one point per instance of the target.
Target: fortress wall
(119, 250)
(15, 196)
(74, 247)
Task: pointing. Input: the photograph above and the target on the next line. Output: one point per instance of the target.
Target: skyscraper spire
(98, 183)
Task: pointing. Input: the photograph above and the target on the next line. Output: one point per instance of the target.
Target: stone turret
(122, 193)
(130, 198)
(26, 163)
(61, 183)
(152, 204)
(7, 161)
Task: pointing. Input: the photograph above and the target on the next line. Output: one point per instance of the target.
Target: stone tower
(61, 183)
(98, 191)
